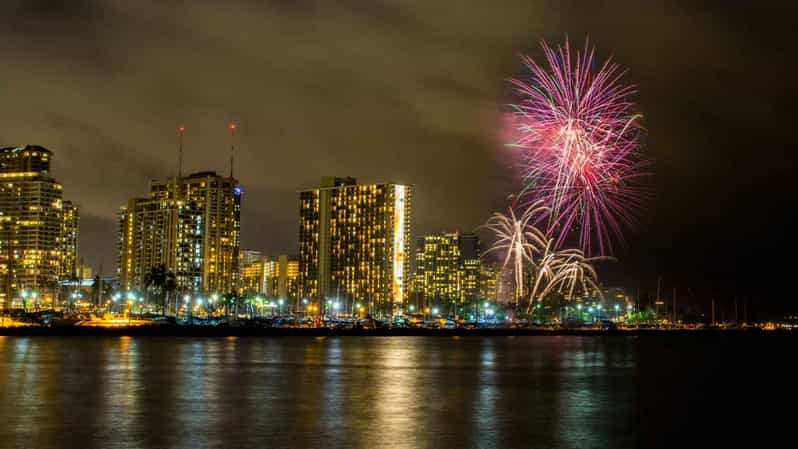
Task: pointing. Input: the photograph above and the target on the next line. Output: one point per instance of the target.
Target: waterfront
(304, 392)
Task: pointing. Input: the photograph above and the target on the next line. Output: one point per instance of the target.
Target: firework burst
(519, 239)
(566, 272)
(528, 250)
(579, 142)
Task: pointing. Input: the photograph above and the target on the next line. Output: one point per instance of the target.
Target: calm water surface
(367, 392)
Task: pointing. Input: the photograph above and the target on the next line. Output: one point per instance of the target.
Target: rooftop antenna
(232, 146)
(181, 130)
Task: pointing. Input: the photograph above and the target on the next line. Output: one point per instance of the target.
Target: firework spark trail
(567, 270)
(519, 238)
(579, 141)
(525, 245)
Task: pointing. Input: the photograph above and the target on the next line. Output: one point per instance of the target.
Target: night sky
(412, 91)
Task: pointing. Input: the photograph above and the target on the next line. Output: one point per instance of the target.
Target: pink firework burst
(579, 141)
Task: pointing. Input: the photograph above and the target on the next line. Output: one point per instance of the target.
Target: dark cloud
(407, 91)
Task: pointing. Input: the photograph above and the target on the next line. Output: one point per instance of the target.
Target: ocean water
(402, 392)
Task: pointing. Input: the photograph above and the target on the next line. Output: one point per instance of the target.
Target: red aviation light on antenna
(233, 126)
(182, 129)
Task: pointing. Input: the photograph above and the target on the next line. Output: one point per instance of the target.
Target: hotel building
(190, 224)
(38, 230)
(447, 268)
(354, 244)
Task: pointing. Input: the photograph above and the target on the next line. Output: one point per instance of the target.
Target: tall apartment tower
(447, 268)
(354, 243)
(70, 225)
(252, 278)
(281, 278)
(470, 266)
(190, 224)
(38, 230)
(154, 232)
(438, 276)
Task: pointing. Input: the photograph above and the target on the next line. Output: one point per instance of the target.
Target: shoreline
(231, 331)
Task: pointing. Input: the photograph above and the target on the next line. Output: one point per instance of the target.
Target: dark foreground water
(413, 392)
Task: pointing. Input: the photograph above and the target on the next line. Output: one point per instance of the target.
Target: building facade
(38, 230)
(190, 224)
(253, 266)
(282, 278)
(69, 240)
(448, 269)
(438, 277)
(470, 265)
(154, 232)
(490, 282)
(354, 243)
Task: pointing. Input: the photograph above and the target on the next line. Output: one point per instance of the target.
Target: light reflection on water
(403, 392)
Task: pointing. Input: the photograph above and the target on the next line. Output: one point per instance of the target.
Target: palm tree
(157, 279)
(170, 286)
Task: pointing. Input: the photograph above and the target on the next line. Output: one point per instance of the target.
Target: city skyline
(704, 230)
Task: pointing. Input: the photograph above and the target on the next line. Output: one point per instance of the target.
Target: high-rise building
(190, 224)
(69, 240)
(38, 233)
(155, 232)
(354, 243)
(489, 282)
(470, 266)
(448, 268)
(253, 273)
(438, 274)
(281, 278)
